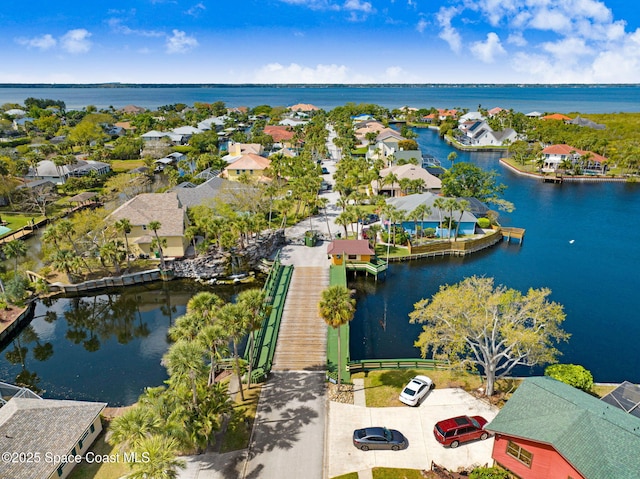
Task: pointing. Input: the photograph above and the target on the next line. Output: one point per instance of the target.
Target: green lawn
(241, 422)
(113, 470)
(122, 166)
(394, 251)
(351, 475)
(396, 473)
(383, 387)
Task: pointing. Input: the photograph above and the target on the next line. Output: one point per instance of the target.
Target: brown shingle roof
(147, 207)
(350, 247)
(43, 426)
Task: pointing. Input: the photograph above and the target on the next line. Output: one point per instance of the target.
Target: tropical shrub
(571, 374)
(488, 473)
(484, 222)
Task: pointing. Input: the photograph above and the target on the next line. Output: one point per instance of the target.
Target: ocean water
(549, 98)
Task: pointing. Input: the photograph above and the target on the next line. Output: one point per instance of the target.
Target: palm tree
(253, 301)
(451, 204)
(337, 308)
(124, 226)
(161, 461)
(463, 205)
(155, 226)
(15, 249)
(184, 362)
(215, 339)
(65, 260)
(113, 251)
(134, 425)
(234, 318)
(440, 204)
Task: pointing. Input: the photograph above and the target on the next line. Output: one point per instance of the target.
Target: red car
(451, 432)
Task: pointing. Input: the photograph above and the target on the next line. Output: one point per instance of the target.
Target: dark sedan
(379, 438)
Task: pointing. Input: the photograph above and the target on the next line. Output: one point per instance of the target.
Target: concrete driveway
(416, 424)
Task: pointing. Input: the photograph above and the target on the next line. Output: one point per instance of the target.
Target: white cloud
(195, 10)
(295, 73)
(448, 33)
(117, 26)
(516, 39)
(76, 41)
(358, 6)
(421, 25)
(180, 42)
(43, 42)
(313, 4)
(487, 51)
(325, 73)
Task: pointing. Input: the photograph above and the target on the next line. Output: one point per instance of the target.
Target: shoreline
(567, 178)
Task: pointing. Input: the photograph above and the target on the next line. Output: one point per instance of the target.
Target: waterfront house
(467, 221)
(549, 430)
(304, 107)
(43, 429)
(147, 207)
(349, 250)
(555, 155)
(479, 133)
(403, 173)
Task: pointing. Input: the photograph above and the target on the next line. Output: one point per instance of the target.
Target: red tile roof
(556, 116)
(563, 149)
(279, 133)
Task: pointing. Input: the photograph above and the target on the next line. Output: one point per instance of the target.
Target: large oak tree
(477, 324)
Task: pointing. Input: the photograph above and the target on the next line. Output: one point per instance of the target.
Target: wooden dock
(302, 340)
(553, 179)
(515, 233)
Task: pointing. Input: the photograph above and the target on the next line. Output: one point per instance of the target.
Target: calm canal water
(106, 347)
(595, 277)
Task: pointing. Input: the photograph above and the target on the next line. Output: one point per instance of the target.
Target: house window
(92, 428)
(522, 455)
(353, 256)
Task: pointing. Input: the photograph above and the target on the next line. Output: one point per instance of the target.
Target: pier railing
(373, 364)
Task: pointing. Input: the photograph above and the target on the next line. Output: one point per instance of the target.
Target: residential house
(363, 129)
(494, 111)
(387, 145)
(349, 250)
(557, 117)
(209, 192)
(47, 170)
(16, 112)
(555, 155)
(282, 135)
(165, 208)
(42, 429)
(467, 221)
(405, 172)
(533, 114)
(250, 165)
(578, 120)
(550, 430)
(304, 107)
(471, 116)
(479, 133)
(185, 133)
(133, 109)
(175, 159)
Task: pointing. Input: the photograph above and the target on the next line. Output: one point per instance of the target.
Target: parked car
(416, 390)
(451, 432)
(379, 438)
(367, 220)
(325, 171)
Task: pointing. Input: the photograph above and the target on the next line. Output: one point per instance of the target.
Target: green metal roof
(599, 440)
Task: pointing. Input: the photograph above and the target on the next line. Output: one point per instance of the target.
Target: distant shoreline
(316, 85)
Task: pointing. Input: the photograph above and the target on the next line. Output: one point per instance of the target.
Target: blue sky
(320, 41)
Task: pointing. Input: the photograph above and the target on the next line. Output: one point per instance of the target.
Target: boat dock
(515, 233)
